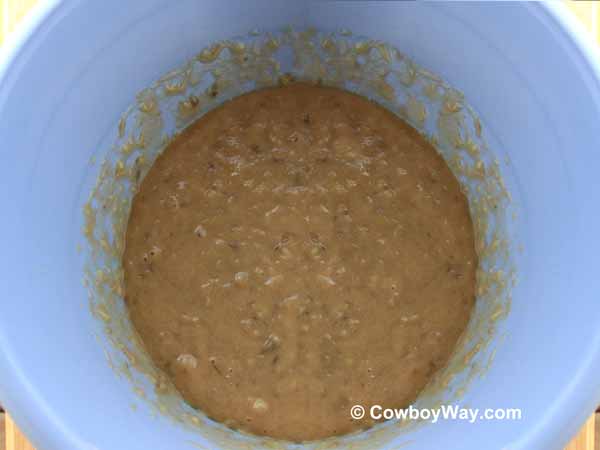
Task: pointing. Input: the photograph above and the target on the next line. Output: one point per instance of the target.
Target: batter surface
(295, 252)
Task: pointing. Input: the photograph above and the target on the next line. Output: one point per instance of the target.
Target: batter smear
(295, 252)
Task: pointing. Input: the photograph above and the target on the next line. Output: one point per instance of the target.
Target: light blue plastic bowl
(75, 66)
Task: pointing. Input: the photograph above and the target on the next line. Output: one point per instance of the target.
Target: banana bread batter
(295, 252)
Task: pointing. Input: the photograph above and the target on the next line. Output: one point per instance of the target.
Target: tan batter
(295, 252)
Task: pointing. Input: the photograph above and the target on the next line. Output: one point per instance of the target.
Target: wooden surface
(14, 438)
(2, 434)
(588, 13)
(586, 439)
(11, 12)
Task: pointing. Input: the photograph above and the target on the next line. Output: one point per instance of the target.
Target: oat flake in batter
(295, 252)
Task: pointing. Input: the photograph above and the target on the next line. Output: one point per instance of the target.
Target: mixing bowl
(75, 67)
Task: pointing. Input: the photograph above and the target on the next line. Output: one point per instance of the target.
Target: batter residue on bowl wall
(228, 69)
